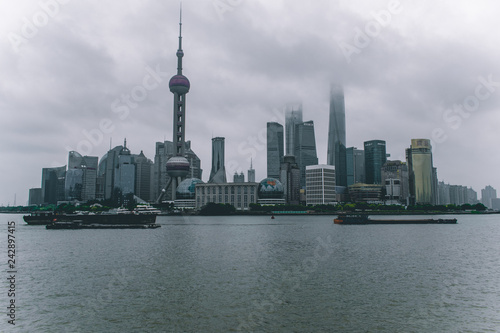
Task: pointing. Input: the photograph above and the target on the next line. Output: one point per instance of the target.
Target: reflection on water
(228, 274)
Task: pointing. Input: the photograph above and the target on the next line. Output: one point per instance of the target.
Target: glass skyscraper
(218, 172)
(80, 183)
(293, 116)
(275, 151)
(420, 171)
(53, 180)
(375, 158)
(305, 148)
(336, 154)
(355, 165)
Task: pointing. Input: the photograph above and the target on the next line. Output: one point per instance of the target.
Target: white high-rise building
(320, 184)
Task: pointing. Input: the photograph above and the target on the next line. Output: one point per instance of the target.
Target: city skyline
(63, 86)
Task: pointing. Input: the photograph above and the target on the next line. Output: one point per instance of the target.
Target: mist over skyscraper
(293, 116)
(336, 154)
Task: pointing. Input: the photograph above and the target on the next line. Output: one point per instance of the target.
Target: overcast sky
(409, 70)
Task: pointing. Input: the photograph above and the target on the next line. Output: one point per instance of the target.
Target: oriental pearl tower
(178, 166)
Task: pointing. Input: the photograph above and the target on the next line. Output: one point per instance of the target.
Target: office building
(106, 173)
(336, 154)
(293, 116)
(143, 177)
(305, 148)
(218, 172)
(422, 177)
(124, 177)
(370, 193)
(240, 195)
(251, 173)
(238, 177)
(395, 179)
(290, 179)
(495, 204)
(35, 196)
(320, 184)
(53, 181)
(81, 177)
(487, 194)
(444, 194)
(74, 177)
(275, 151)
(375, 157)
(355, 165)
(455, 194)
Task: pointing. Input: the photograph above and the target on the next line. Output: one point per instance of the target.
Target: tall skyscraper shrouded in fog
(421, 172)
(275, 151)
(293, 116)
(218, 172)
(375, 158)
(305, 148)
(336, 155)
(178, 165)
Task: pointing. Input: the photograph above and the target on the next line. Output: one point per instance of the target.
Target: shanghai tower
(336, 135)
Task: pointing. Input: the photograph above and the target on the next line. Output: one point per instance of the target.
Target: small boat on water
(364, 219)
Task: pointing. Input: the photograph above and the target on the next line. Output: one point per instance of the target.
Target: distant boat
(363, 219)
(146, 209)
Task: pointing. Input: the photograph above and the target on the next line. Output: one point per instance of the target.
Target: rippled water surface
(230, 274)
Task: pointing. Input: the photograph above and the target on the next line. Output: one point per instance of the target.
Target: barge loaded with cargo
(114, 219)
(364, 219)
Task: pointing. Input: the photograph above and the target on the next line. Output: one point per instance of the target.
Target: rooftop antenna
(110, 142)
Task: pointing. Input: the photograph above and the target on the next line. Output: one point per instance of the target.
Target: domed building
(186, 188)
(185, 193)
(270, 192)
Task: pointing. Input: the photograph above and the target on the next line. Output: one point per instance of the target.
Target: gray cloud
(243, 68)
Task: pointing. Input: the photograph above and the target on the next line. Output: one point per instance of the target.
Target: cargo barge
(364, 219)
(78, 225)
(114, 219)
(39, 218)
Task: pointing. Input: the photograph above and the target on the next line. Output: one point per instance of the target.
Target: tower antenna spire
(180, 53)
